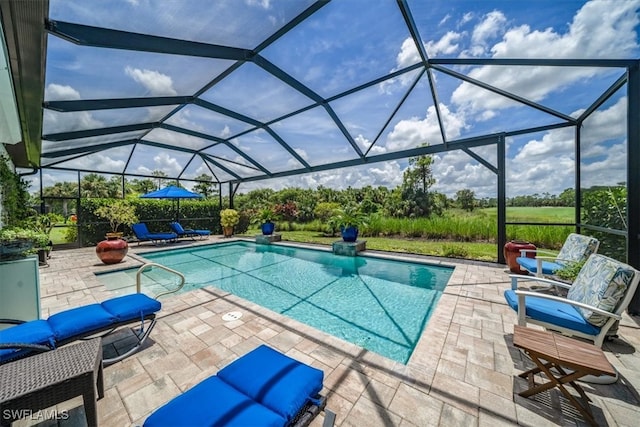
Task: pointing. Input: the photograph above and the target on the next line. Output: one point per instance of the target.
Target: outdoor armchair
(596, 299)
(576, 248)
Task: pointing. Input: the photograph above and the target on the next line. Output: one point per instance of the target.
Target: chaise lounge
(142, 233)
(177, 228)
(25, 338)
(264, 387)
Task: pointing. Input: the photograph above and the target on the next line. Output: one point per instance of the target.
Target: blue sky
(345, 44)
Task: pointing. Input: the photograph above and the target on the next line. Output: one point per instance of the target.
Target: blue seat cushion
(33, 332)
(278, 382)
(79, 321)
(200, 232)
(129, 307)
(213, 403)
(553, 312)
(531, 265)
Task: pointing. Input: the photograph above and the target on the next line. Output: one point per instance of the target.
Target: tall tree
(160, 178)
(416, 182)
(205, 186)
(466, 199)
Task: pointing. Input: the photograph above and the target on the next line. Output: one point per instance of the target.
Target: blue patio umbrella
(174, 193)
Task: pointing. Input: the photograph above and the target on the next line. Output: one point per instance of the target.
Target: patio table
(569, 358)
(38, 382)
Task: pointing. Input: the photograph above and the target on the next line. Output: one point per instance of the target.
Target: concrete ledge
(264, 239)
(349, 248)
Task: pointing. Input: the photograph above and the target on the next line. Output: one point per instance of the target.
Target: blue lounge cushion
(213, 403)
(33, 332)
(531, 265)
(80, 320)
(178, 229)
(275, 380)
(129, 307)
(142, 233)
(553, 312)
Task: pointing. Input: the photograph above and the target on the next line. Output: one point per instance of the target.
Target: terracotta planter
(512, 251)
(227, 231)
(113, 250)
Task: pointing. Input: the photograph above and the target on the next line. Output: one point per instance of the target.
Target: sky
(332, 52)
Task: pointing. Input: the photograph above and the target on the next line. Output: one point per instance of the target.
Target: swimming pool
(381, 305)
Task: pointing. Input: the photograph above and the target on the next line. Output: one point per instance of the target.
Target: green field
(458, 234)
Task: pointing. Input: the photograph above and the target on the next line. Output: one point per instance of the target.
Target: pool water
(378, 304)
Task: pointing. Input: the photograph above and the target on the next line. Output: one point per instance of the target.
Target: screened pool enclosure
(252, 92)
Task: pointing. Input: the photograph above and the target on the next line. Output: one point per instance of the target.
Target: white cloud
(157, 83)
(54, 122)
(465, 18)
(448, 44)
(164, 162)
(408, 54)
(412, 132)
(616, 38)
(264, 4)
(444, 20)
(489, 28)
(56, 92)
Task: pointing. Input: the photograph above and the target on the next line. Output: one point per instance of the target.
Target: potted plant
(265, 218)
(349, 220)
(20, 242)
(228, 219)
(114, 248)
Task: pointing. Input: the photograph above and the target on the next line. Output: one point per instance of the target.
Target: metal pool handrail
(153, 264)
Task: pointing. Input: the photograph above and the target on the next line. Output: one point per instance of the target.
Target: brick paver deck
(462, 373)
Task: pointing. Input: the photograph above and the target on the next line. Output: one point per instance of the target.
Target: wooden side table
(40, 381)
(570, 358)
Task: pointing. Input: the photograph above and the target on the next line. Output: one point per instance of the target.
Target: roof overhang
(25, 41)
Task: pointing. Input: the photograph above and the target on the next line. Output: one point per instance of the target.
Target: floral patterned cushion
(601, 283)
(577, 248)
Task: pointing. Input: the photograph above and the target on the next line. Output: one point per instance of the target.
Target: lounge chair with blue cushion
(576, 248)
(264, 387)
(177, 228)
(595, 300)
(142, 233)
(59, 329)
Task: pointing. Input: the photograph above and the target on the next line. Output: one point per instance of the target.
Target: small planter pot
(227, 231)
(349, 234)
(268, 228)
(113, 250)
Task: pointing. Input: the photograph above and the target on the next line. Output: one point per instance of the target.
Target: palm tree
(94, 185)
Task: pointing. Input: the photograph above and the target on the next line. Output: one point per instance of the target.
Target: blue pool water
(381, 305)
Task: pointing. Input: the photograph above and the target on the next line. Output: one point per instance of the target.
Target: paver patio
(462, 373)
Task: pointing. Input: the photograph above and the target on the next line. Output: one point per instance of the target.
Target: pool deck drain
(231, 316)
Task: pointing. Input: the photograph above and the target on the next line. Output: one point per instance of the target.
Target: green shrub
(453, 250)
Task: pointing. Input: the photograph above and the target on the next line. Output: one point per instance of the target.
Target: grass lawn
(473, 250)
(534, 214)
(58, 235)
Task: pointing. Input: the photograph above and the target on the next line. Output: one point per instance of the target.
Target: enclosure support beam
(502, 198)
(633, 176)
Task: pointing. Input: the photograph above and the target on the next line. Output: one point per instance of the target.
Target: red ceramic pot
(113, 250)
(512, 251)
